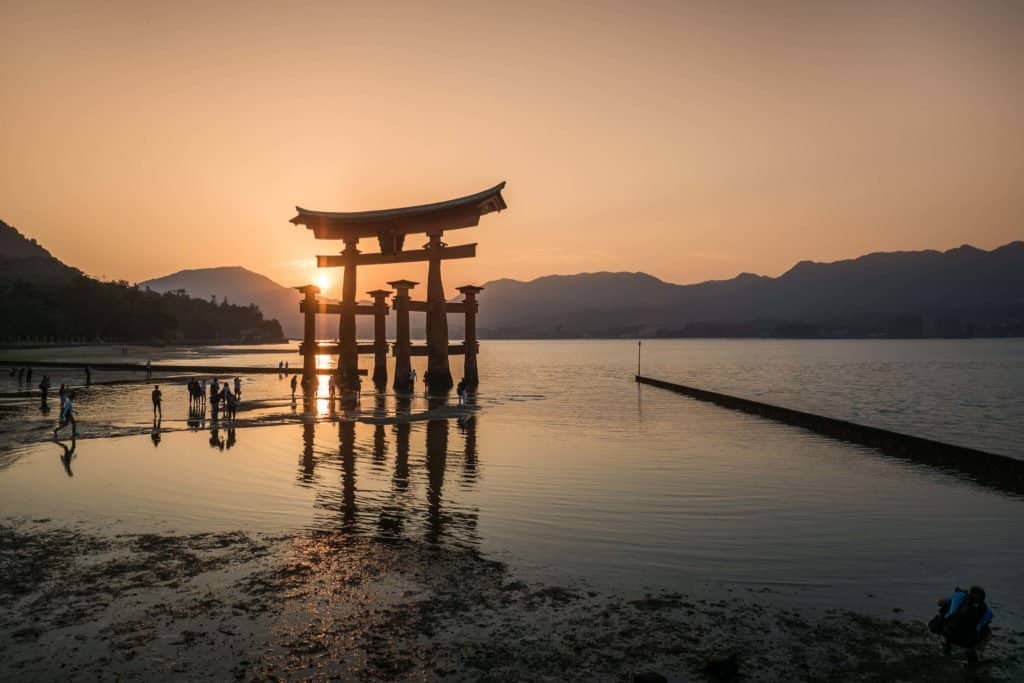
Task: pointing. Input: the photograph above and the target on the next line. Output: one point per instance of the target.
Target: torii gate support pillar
(380, 339)
(470, 374)
(403, 341)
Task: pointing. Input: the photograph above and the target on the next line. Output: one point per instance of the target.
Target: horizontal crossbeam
(453, 350)
(335, 309)
(338, 260)
(423, 307)
(334, 348)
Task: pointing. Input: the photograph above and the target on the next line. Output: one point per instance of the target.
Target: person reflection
(307, 464)
(68, 455)
(155, 433)
(215, 438)
(467, 426)
(231, 436)
(197, 411)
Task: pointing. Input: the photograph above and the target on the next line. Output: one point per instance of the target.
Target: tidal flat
(325, 606)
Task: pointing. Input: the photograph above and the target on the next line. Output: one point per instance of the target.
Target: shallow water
(566, 469)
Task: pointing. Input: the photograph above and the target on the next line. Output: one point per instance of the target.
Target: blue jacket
(957, 599)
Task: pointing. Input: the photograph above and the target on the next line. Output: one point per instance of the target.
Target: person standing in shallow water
(214, 398)
(44, 390)
(67, 415)
(295, 383)
(238, 387)
(157, 401)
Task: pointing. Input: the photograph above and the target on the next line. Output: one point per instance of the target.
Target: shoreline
(318, 604)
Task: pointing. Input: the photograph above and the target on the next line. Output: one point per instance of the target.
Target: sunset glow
(689, 141)
(322, 278)
(605, 340)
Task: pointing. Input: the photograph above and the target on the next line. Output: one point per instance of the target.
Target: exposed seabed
(319, 605)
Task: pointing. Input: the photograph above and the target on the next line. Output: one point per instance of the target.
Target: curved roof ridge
(491, 198)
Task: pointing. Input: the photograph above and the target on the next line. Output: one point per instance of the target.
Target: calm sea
(569, 471)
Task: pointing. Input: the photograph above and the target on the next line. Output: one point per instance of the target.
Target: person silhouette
(67, 416)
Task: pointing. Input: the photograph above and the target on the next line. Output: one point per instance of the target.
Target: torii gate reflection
(389, 513)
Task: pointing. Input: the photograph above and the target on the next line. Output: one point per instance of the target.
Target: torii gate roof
(463, 212)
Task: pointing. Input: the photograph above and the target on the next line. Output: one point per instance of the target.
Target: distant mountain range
(960, 292)
(238, 286)
(43, 300)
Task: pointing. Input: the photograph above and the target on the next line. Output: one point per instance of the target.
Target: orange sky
(689, 141)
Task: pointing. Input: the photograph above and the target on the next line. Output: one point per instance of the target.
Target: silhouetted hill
(44, 300)
(24, 259)
(960, 292)
(239, 286)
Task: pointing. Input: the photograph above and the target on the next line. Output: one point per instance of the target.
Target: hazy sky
(690, 141)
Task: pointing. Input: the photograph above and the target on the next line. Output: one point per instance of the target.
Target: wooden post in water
(403, 341)
(308, 308)
(470, 374)
(348, 354)
(380, 339)
(439, 374)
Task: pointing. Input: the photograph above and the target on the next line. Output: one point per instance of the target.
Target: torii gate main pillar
(348, 356)
(439, 374)
(309, 335)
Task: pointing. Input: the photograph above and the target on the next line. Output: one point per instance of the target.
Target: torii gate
(389, 227)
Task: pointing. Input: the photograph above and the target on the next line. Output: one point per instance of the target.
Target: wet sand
(329, 605)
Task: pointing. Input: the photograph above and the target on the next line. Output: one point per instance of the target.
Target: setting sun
(322, 279)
